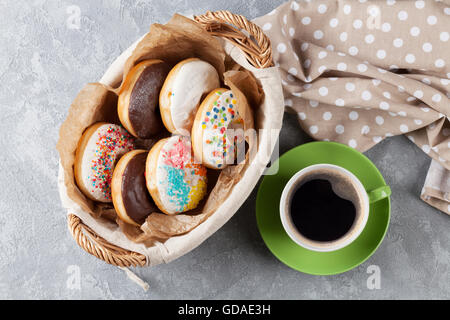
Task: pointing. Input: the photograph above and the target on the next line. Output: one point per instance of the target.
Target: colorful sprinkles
(112, 141)
(182, 183)
(224, 113)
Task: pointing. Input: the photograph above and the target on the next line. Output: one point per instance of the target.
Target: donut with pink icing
(175, 182)
(99, 148)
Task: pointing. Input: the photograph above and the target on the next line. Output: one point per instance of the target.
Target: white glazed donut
(174, 181)
(99, 148)
(213, 142)
(182, 91)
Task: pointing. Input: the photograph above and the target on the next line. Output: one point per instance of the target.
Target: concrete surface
(44, 62)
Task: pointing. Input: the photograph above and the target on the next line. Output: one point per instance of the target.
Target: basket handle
(87, 239)
(256, 45)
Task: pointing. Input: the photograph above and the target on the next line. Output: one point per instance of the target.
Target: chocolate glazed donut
(138, 104)
(131, 198)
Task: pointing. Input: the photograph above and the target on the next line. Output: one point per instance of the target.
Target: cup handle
(379, 193)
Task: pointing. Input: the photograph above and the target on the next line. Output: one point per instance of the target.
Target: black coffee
(319, 214)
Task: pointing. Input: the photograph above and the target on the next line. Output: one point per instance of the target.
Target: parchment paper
(181, 38)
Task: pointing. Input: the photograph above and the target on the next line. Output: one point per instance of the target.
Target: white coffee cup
(346, 185)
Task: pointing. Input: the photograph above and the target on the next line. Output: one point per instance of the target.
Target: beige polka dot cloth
(357, 72)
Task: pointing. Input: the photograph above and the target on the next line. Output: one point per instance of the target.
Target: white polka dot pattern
(359, 81)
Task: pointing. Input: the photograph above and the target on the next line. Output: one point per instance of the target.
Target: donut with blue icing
(175, 182)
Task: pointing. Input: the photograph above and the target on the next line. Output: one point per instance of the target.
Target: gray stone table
(45, 61)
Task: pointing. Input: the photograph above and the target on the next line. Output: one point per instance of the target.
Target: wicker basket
(256, 46)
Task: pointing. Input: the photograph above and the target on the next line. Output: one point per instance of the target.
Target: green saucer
(268, 214)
